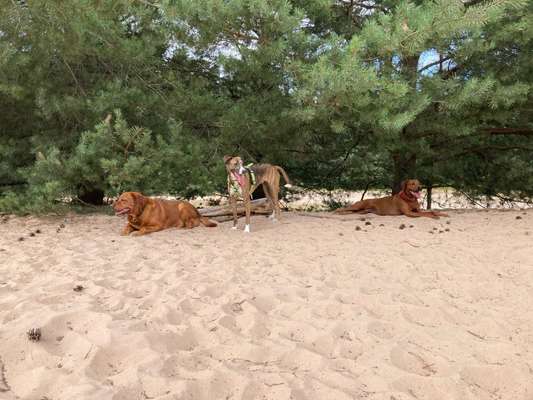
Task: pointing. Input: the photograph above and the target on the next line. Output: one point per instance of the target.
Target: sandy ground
(308, 308)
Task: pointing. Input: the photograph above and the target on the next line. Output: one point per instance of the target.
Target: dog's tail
(285, 176)
(207, 222)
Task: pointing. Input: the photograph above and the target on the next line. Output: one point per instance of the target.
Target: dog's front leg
(421, 214)
(439, 213)
(127, 230)
(247, 207)
(146, 229)
(233, 205)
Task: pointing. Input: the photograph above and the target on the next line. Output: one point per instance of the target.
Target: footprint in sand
(409, 360)
(349, 349)
(230, 323)
(382, 330)
(192, 362)
(267, 390)
(423, 316)
(170, 342)
(224, 384)
(506, 382)
(260, 328)
(107, 362)
(419, 360)
(264, 304)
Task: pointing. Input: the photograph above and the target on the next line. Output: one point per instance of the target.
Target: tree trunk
(428, 199)
(404, 161)
(366, 190)
(404, 168)
(92, 196)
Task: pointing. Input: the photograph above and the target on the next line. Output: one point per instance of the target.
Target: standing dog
(147, 215)
(243, 181)
(403, 203)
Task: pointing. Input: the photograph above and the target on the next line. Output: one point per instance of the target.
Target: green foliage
(116, 158)
(342, 94)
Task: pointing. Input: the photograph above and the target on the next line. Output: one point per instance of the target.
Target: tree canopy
(99, 97)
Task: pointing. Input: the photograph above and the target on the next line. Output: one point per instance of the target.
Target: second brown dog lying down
(403, 203)
(146, 215)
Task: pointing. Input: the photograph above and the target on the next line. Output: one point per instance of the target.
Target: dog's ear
(139, 202)
(227, 158)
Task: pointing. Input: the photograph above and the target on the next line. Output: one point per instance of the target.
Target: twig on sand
(87, 354)
(476, 335)
(84, 203)
(274, 384)
(302, 214)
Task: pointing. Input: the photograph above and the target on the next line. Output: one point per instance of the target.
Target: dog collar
(407, 198)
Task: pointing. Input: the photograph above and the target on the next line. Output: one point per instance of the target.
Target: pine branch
(363, 4)
(147, 3)
(440, 61)
(479, 150)
(13, 183)
(74, 77)
(509, 131)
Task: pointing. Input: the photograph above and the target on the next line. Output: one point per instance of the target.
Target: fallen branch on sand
(225, 213)
(259, 206)
(302, 214)
(332, 216)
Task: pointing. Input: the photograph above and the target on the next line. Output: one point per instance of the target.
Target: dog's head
(411, 187)
(130, 203)
(234, 164)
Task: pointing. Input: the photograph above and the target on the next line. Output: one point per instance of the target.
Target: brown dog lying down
(403, 203)
(146, 215)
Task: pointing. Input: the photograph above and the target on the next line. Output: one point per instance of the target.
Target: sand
(308, 308)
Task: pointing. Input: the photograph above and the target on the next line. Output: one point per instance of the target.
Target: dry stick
(323, 216)
(257, 206)
(229, 217)
(83, 202)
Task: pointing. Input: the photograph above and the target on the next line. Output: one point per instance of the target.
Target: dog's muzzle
(123, 211)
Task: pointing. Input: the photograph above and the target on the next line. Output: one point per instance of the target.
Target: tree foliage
(343, 93)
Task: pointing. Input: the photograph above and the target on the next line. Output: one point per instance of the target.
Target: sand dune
(308, 308)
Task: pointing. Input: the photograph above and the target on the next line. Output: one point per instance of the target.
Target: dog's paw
(247, 229)
(233, 228)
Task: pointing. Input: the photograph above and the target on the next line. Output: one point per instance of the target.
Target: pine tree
(374, 82)
(343, 93)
